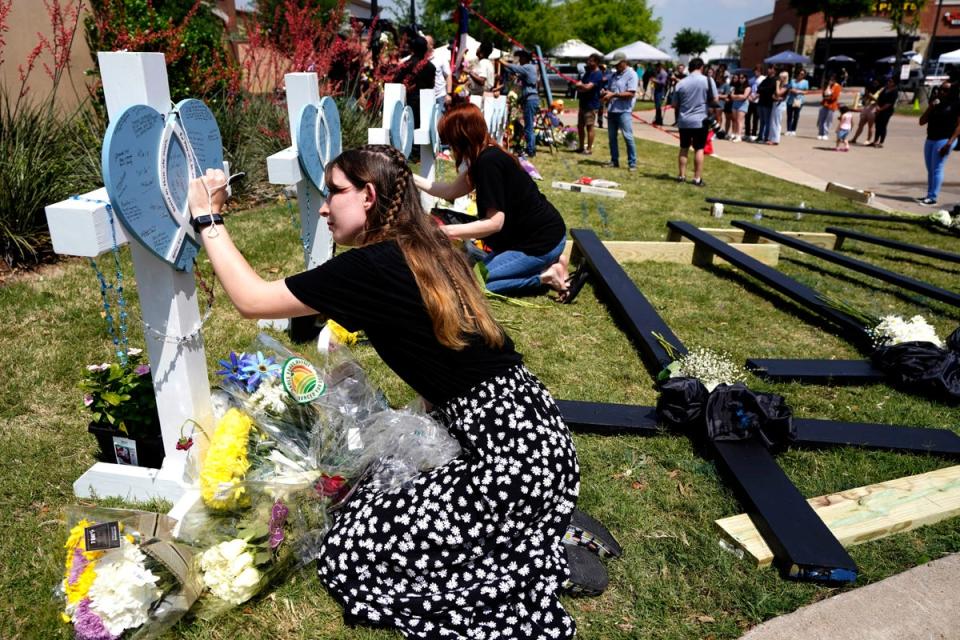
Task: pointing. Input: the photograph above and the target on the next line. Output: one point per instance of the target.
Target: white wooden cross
(284, 168)
(168, 300)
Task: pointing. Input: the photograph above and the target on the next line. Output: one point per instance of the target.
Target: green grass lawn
(657, 495)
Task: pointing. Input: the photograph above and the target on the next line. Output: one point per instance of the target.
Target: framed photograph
(125, 450)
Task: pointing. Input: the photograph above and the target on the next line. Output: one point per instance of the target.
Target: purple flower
(77, 566)
(88, 626)
(142, 369)
(87, 400)
(277, 517)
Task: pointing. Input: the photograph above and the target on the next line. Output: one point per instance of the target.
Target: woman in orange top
(828, 107)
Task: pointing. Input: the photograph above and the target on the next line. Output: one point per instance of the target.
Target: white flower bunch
(270, 397)
(943, 218)
(894, 330)
(124, 589)
(229, 571)
(709, 367)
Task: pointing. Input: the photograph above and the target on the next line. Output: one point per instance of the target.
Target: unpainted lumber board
(680, 252)
(732, 235)
(865, 513)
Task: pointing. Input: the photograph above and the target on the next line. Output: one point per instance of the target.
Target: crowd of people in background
(760, 105)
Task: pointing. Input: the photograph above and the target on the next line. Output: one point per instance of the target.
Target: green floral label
(301, 380)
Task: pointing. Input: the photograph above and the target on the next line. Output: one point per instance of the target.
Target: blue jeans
(530, 108)
(515, 272)
(935, 164)
(616, 122)
(658, 101)
(441, 104)
(764, 113)
(824, 120)
(776, 119)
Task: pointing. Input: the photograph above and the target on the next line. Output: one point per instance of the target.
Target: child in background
(843, 128)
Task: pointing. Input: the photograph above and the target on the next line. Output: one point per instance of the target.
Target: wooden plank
(733, 235)
(679, 252)
(866, 513)
(586, 188)
(851, 193)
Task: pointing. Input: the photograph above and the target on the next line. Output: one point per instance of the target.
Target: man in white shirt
(443, 80)
(482, 72)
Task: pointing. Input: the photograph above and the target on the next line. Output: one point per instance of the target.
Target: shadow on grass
(907, 259)
(907, 296)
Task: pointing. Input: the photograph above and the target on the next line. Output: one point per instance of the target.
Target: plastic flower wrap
(298, 441)
(941, 218)
(124, 576)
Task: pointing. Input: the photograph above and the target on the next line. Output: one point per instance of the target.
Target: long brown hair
(451, 293)
(464, 130)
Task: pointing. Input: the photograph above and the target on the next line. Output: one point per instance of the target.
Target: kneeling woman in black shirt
(472, 548)
(524, 230)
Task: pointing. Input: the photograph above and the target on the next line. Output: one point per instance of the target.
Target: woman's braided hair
(451, 293)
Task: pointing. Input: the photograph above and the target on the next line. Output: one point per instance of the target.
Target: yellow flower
(78, 590)
(227, 463)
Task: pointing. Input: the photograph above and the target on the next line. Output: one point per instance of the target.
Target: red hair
(464, 130)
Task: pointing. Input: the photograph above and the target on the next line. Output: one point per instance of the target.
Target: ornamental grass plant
(657, 495)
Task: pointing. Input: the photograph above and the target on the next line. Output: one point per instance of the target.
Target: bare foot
(555, 277)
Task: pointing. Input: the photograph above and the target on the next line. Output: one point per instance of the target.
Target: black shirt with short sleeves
(531, 224)
(942, 121)
(372, 289)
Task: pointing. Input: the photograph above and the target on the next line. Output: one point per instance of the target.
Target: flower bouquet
(124, 577)
(943, 220)
(909, 351)
(123, 405)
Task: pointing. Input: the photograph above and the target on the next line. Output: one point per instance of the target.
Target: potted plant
(125, 422)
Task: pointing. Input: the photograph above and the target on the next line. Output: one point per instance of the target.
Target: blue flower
(233, 368)
(256, 368)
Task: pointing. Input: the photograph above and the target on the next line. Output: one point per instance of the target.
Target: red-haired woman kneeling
(524, 230)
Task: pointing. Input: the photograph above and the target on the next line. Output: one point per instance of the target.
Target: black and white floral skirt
(471, 549)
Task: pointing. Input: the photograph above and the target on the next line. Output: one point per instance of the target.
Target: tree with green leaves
(905, 21)
(530, 22)
(833, 12)
(609, 24)
(690, 42)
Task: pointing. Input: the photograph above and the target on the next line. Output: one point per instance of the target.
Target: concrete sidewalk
(896, 173)
(922, 603)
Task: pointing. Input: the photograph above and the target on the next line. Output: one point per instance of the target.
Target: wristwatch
(204, 221)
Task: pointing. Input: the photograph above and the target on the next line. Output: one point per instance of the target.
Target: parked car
(559, 86)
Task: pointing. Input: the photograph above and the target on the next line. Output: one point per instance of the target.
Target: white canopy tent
(640, 51)
(574, 49)
(472, 44)
(950, 58)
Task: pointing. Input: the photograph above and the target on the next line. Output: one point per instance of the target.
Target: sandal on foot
(588, 576)
(586, 532)
(575, 283)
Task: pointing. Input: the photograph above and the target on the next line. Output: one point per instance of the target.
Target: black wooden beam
(803, 546)
(817, 371)
(607, 418)
(802, 294)
(905, 282)
(640, 319)
(916, 249)
(826, 433)
(816, 212)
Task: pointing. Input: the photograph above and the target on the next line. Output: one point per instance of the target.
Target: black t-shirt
(531, 224)
(765, 92)
(418, 75)
(372, 288)
(942, 121)
(887, 98)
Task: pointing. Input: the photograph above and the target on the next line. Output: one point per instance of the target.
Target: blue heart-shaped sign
(434, 132)
(318, 140)
(401, 129)
(148, 162)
